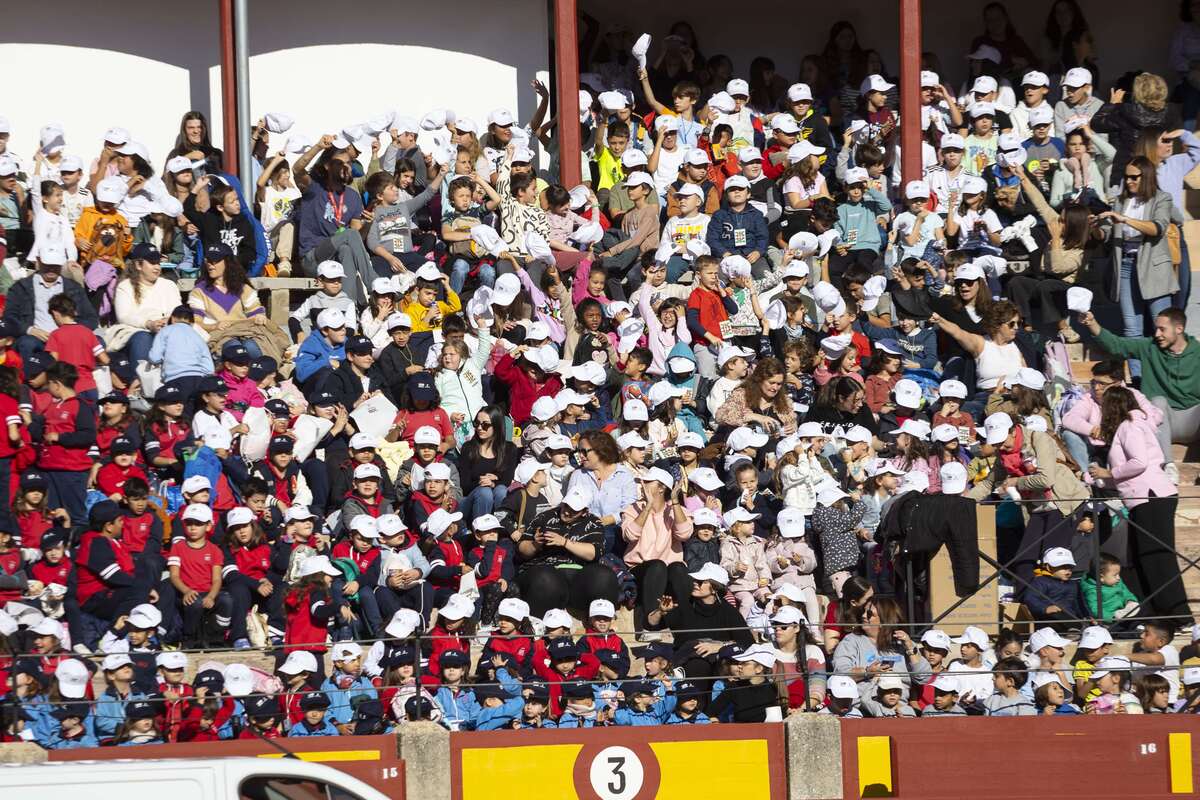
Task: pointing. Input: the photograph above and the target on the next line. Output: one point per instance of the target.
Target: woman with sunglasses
(611, 485)
(996, 354)
(1138, 234)
(966, 308)
(486, 462)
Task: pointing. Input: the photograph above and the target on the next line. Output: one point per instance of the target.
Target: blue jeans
(1134, 306)
(1078, 447)
(460, 268)
(138, 348)
(482, 500)
(676, 266)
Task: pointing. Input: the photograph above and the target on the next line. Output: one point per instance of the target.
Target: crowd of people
(727, 397)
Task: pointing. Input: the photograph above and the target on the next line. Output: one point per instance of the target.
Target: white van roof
(155, 779)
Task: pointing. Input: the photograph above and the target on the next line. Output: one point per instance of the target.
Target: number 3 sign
(617, 773)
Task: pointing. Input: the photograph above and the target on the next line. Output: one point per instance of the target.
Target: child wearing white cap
(685, 98)
(919, 232)
(743, 555)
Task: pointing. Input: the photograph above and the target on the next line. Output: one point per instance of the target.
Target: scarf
(1015, 465)
(580, 710)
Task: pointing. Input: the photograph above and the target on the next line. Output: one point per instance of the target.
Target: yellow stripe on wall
(544, 772)
(1180, 746)
(690, 770)
(330, 755)
(875, 766)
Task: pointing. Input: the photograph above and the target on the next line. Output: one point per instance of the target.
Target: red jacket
(444, 640)
(111, 478)
(711, 309)
(74, 420)
(102, 563)
(10, 564)
(522, 391)
(48, 573)
(586, 669)
(188, 728)
(308, 618)
(344, 549)
(592, 642)
(31, 526)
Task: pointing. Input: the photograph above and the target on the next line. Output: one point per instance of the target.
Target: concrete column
(425, 749)
(814, 757)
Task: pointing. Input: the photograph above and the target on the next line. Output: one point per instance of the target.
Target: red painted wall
(1025, 757)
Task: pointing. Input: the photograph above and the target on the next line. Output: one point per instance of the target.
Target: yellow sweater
(417, 312)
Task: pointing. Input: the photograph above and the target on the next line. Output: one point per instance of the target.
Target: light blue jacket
(181, 352)
(109, 711)
(340, 709)
(300, 730)
(460, 708)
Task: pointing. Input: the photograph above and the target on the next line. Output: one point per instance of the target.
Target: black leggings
(1155, 565)
(653, 580)
(545, 587)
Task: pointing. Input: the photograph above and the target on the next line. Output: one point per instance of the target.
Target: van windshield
(283, 787)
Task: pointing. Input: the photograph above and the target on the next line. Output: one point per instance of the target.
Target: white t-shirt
(1134, 209)
(721, 389)
(978, 684)
(669, 162)
(681, 230)
(968, 237)
(903, 226)
(205, 423)
(276, 206)
(942, 184)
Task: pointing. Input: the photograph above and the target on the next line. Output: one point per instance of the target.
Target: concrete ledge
(814, 751)
(425, 749)
(22, 753)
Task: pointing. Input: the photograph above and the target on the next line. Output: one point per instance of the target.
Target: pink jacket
(242, 392)
(660, 538)
(1085, 415)
(1136, 461)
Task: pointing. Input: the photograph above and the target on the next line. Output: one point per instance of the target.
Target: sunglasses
(963, 282)
(482, 423)
(1012, 323)
(583, 451)
(1133, 177)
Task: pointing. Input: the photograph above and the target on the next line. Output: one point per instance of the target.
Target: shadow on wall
(186, 37)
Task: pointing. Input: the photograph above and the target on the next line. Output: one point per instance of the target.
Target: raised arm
(971, 342)
(300, 168)
(651, 100)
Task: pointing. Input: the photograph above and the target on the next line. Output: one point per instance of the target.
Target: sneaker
(283, 269)
(1172, 472)
(241, 644)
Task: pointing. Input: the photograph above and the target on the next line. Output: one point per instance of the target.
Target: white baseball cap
(403, 623)
(145, 617)
(1029, 378)
(73, 678)
(785, 123)
(171, 659)
(728, 352)
(659, 475)
(843, 687)
(953, 389)
(739, 514)
(952, 141)
(500, 116)
(1046, 637)
(345, 650)
(946, 683)
(789, 615)
(440, 521)
(908, 394)
(929, 78)
(798, 93)
(239, 515)
(365, 526)
(996, 427)
(875, 83)
(954, 478)
(1041, 115)
(513, 608)
(437, 471)
(1058, 557)
(198, 512)
(576, 499)
(711, 572)
(982, 110)
(741, 438)
(369, 471)
(427, 434)
(115, 661)
(458, 606)
(914, 190)
(332, 318)
(985, 52)
(736, 182)
(527, 469)
(790, 522)
(298, 511)
(697, 158)
(1110, 664)
(1076, 77)
(1094, 636)
(317, 565)
(298, 661)
(973, 635)
(736, 87)
(635, 410)
(602, 608)
(706, 478)
(631, 439)
(936, 639)
(556, 618)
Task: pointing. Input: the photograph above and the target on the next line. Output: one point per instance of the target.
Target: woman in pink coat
(1135, 470)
